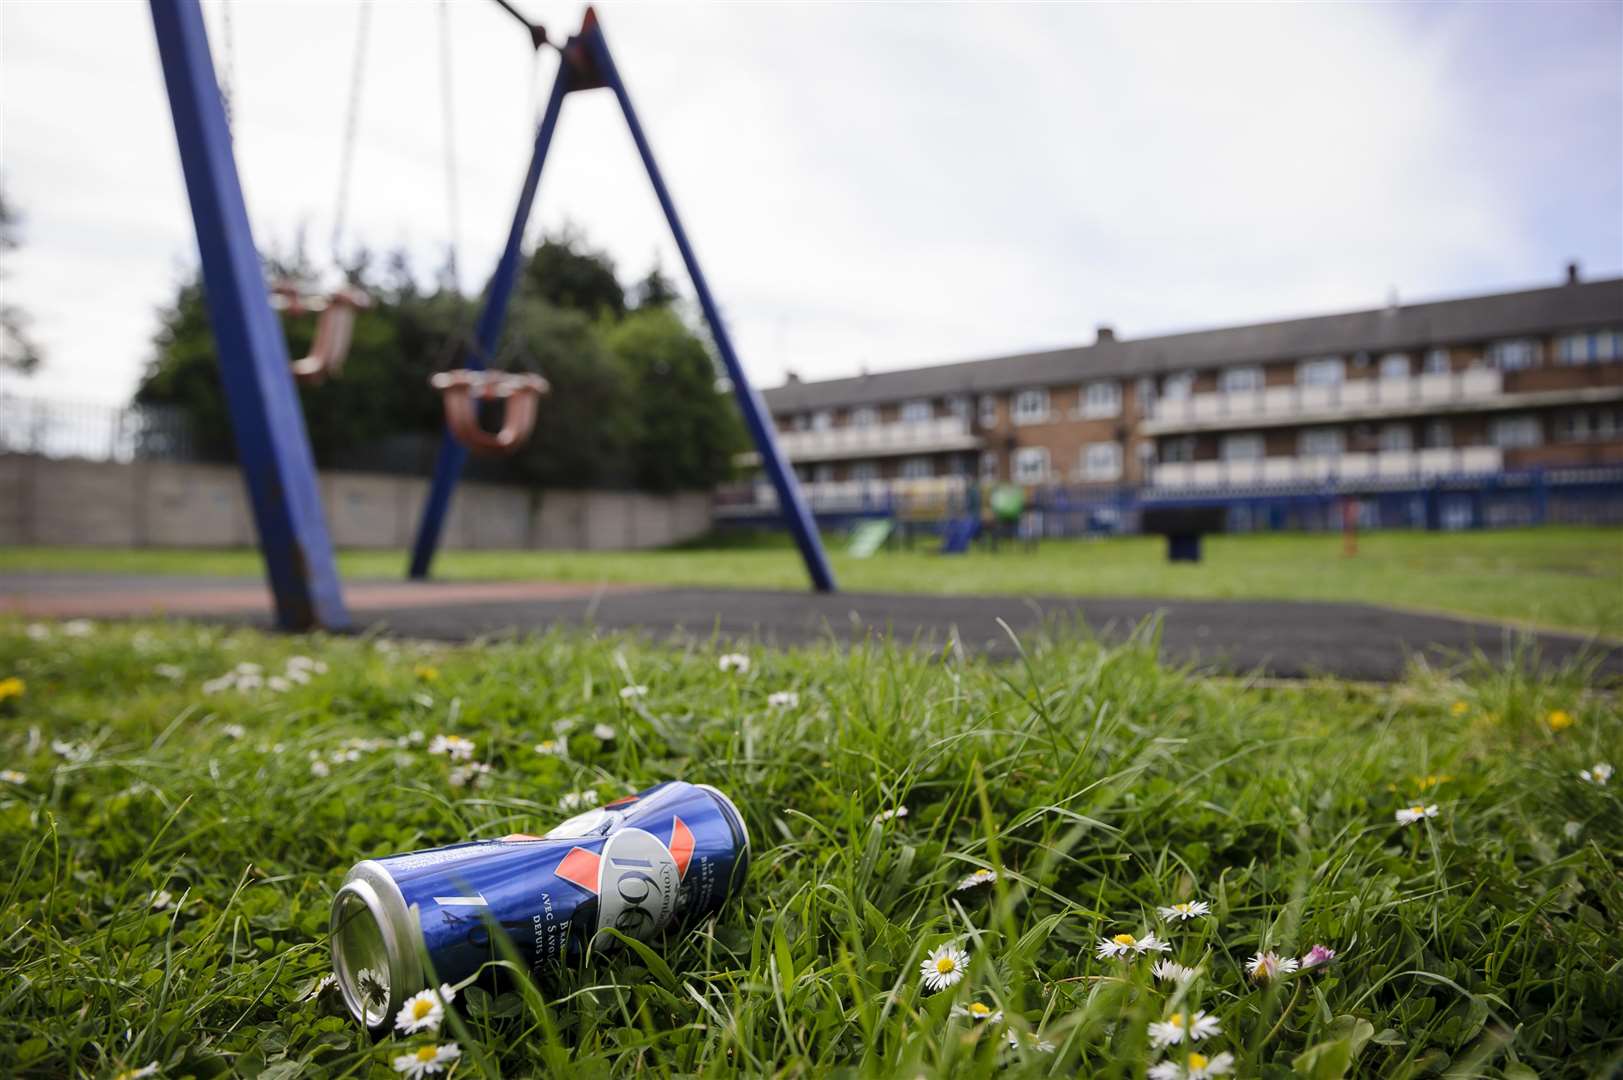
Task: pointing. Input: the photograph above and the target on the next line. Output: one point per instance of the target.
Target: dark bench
(1183, 526)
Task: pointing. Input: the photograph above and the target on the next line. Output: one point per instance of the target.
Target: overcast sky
(867, 185)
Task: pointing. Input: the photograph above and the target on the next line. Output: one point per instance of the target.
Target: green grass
(1558, 577)
(1483, 942)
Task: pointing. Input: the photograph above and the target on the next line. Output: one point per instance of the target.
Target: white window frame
(1436, 362)
(1438, 434)
(989, 464)
(988, 410)
(1332, 440)
(864, 416)
(1516, 432)
(1243, 446)
(1514, 354)
(865, 472)
(1178, 386)
(1247, 379)
(1101, 461)
(1396, 437)
(823, 473)
(921, 467)
(1031, 406)
(1396, 365)
(1321, 371)
(800, 422)
(822, 420)
(1031, 465)
(1178, 450)
(917, 411)
(1100, 399)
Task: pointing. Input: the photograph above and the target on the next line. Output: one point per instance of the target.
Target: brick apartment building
(1470, 387)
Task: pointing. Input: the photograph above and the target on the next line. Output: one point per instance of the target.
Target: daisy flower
(734, 661)
(1178, 1027)
(1165, 970)
(1411, 814)
(278, 684)
(552, 748)
(1269, 965)
(250, 682)
(1317, 956)
(320, 768)
(78, 627)
(943, 967)
(976, 880)
(224, 682)
(1192, 909)
(978, 1011)
(427, 1060)
(371, 985)
(161, 899)
(320, 986)
(1030, 1042)
(12, 776)
(1193, 1067)
(169, 671)
(423, 1010)
(1122, 944)
(76, 752)
(885, 815)
(37, 632)
(468, 775)
(783, 699)
(245, 668)
(1559, 720)
(234, 731)
(603, 732)
(1599, 775)
(454, 747)
(577, 800)
(149, 1069)
(629, 692)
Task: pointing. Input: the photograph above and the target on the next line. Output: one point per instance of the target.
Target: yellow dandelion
(12, 687)
(1459, 708)
(1559, 720)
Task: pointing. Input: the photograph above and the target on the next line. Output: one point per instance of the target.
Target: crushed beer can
(667, 856)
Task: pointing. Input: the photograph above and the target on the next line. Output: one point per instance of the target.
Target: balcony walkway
(1279, 638)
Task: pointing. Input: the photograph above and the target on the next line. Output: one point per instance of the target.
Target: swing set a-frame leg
(587, 64)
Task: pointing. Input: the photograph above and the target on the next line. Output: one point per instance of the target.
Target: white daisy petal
(944, 966)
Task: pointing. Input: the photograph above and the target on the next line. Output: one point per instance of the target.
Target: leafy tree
(655, 290)
(17, 350)
(689, 429)
(567, 274)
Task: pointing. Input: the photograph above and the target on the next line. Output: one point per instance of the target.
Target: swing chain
(346, 160)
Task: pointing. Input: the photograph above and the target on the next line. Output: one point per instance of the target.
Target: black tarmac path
(1286, 639)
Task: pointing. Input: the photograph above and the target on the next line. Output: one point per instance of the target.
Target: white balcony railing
(1307, 403)
(880, 440)
(903, 496)
(1388, 465)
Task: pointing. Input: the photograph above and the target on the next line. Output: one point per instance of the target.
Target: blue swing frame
(273, 444)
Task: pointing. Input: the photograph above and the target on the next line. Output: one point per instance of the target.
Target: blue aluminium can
(667, 856)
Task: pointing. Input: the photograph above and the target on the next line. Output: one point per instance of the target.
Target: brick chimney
(1105, 333)
(1572, 273)
(791, 376)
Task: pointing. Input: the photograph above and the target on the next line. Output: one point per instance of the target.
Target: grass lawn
(1558, 577)
(169, 855)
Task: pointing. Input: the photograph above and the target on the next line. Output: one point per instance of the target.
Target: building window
(1322, 442)
(1031, 464)
(823, 474)
(1247, 447)
(1395, 365)
(1596, 347)
(1397, 437)
(1180, 449)
(1178, 386)
(800, 422)
(1101, 399)
(864, 416)
(1515, 354)
(1144, 395)
(1241, 380)
(1439, 434)
(958, 407)
(917, 468)
(1509, 432)
(822, 420)
(988, 408)
(1436, 362)
(1324, 371)
(989, 465)
(1031, 407)
(1101, 461)
(865, 472)
(916, 412)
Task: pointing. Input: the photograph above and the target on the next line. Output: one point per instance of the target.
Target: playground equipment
(335, 327)
(273, 445)
(462, 390)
